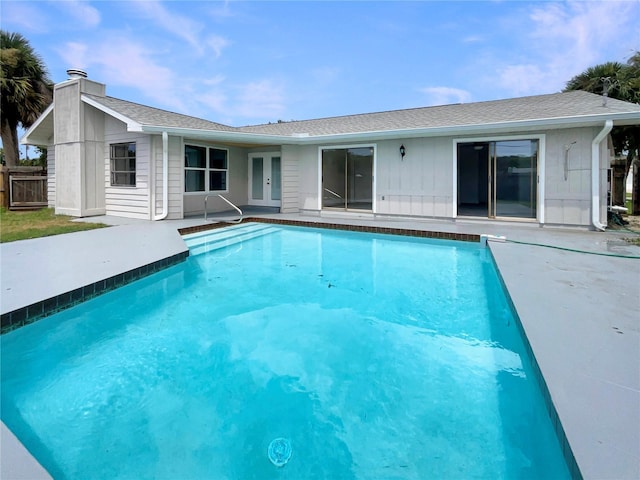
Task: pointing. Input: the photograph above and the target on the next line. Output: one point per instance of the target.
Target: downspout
(165, 177)
(595, 175)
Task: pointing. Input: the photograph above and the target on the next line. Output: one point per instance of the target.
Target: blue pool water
(362, 356)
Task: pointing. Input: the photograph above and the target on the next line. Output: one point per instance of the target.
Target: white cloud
(563, 40)
(522, 80)
(216, 101)
(217, 44)
(221, 11)
(121, 62)
(215, 80)
(75, 55)
(84, 14)
(261, 99)
(473, 39)
(445, 95)
(182, 27)
(179, 25)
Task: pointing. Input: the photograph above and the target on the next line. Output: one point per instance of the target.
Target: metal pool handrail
(236, 208)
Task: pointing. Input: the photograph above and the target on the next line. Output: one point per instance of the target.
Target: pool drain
(279, 451)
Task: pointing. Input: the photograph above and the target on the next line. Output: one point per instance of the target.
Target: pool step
(203, 242)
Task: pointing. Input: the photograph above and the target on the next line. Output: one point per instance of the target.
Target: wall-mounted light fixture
(403, 151)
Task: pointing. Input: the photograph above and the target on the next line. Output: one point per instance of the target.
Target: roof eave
(42, 129)
(498, 127)
(132, 125)
(223, 135)
(450, 130)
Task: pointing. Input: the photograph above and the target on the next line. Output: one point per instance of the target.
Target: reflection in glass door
(265, 187)
(515, 174)
(347, 178)
(498, 179)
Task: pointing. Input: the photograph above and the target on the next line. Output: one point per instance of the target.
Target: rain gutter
(595, 175)
(165, 178)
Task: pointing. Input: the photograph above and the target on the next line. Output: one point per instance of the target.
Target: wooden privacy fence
(23, 187)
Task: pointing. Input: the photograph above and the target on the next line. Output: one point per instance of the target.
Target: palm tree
(620, 81)
(25, 90)
(633, 136)
(610, 76)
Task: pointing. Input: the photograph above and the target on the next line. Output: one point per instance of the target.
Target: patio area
(579, 312)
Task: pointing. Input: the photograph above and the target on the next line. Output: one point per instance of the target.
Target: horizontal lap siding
(132, 202)
(51, 175)
(290, 180)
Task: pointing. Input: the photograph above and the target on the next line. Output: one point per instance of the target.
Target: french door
(347, 178)
(498, 179)
(265, 187)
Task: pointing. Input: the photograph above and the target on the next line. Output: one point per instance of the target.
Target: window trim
(112, 158)
(207, 170)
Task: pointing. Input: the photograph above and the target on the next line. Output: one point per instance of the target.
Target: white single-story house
(542, 159)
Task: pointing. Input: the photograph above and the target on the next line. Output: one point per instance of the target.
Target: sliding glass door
(347, 178)
(515, 174)
(498, 179)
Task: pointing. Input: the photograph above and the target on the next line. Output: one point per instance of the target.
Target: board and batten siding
(568, 200)
(421, 183)
(132, 202)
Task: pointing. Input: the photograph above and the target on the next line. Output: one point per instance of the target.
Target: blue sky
(250, 62)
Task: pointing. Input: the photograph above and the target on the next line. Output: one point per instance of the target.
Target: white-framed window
(123, 164)
(206, 169)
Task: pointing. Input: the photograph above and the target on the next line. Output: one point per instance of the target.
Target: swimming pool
(375, 357)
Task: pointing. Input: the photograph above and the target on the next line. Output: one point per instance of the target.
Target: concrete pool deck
(580, 312)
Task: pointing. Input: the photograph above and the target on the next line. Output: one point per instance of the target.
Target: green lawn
(20, 225)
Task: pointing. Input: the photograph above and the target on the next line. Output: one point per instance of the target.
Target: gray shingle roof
(540, 107)
(557, 105)
(145, 115)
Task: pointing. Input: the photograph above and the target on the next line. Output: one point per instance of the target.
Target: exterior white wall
(176, 176)
(67, 149)
(422, 183)
(308, 171)
(78, 143)
(51, 175)
(290, 179)
(93, 196)
(132, 202)
(568, 202)
(68, 179)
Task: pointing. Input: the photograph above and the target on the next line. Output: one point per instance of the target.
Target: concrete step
(203, 242)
